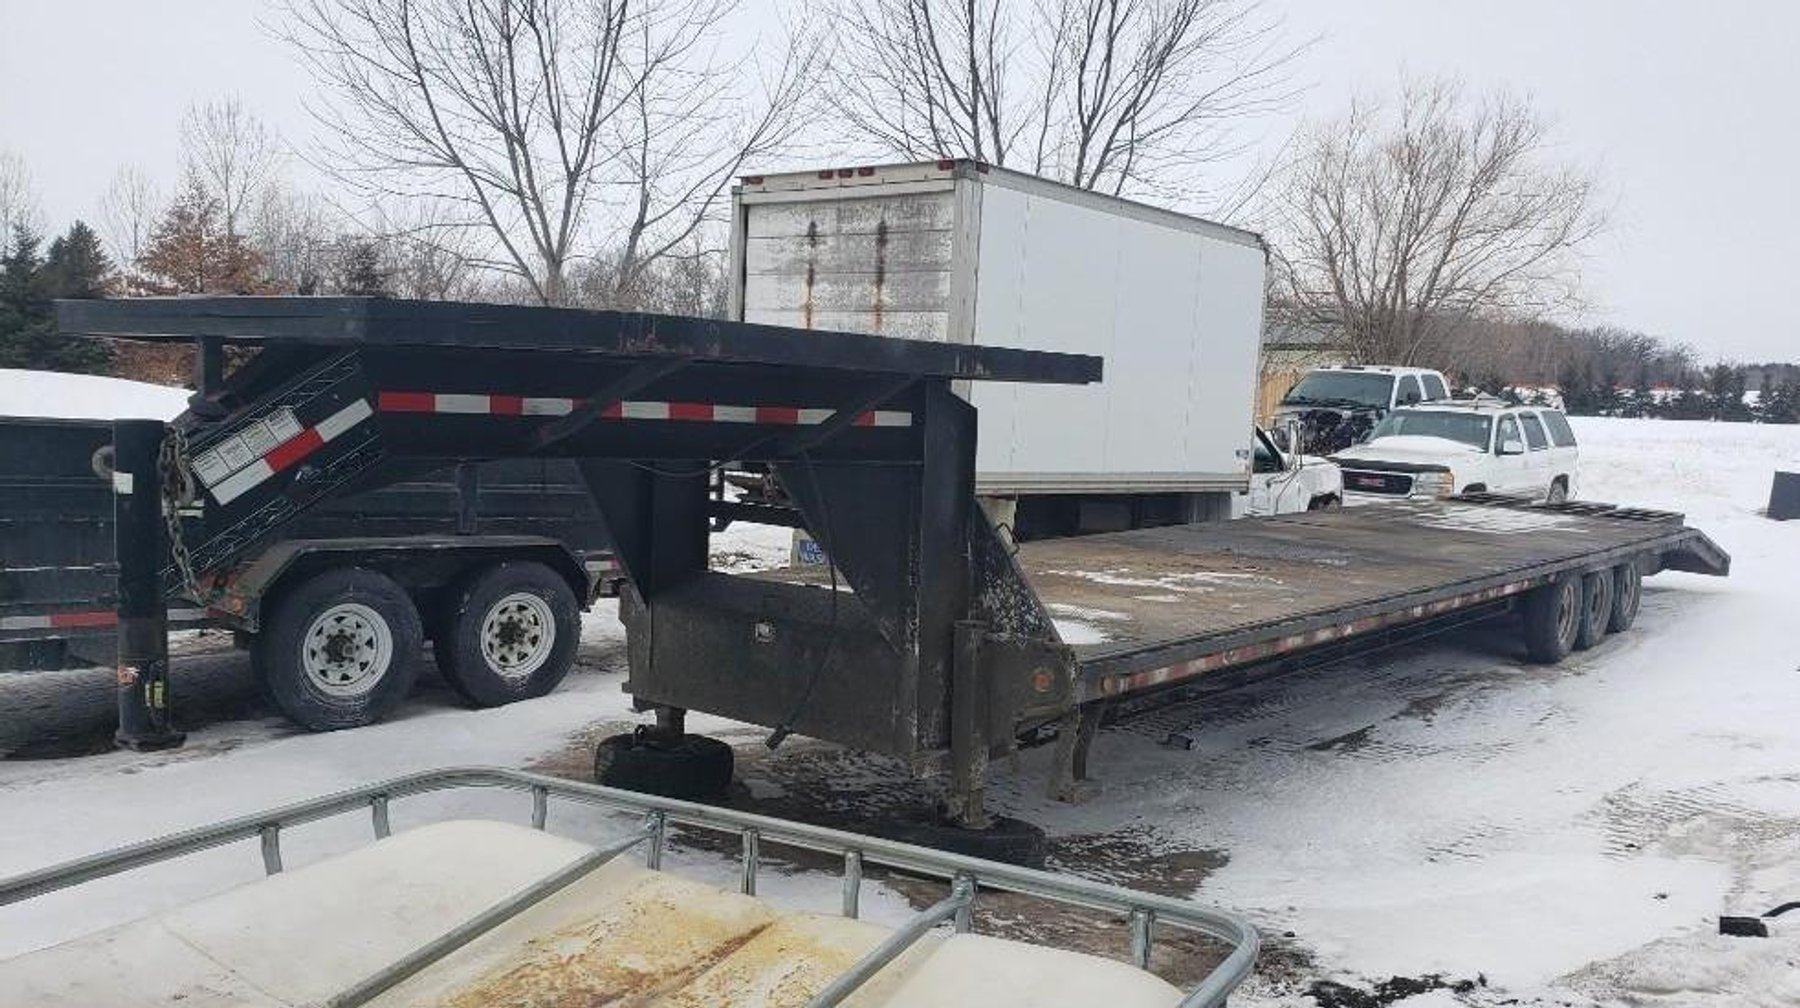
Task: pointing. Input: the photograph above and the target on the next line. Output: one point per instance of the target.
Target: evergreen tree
(75, 267)
(1725, 387)
(362, 274)
(1781, 403)
(1643, 398)
(24, 308)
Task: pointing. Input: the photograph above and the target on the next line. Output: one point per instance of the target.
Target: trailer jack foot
(1069, 781)
(1003, 839)
(150, 743)
(690, 767)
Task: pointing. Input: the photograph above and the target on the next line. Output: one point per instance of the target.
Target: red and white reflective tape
(86, 620)
(492, 405)
(289, 453)
(686, 412)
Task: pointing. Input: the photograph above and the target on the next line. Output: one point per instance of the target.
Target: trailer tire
(1628, 592)
(340, 650)
(1559, 491)
(1324, 502)
(693, 768)
(1007, 840)
(508, 633)
(1596, 608)
(1552, 619)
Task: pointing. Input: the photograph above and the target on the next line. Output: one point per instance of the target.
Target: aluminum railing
(1144, 913)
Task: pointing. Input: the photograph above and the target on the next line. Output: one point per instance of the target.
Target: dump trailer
(930, 637)
(57, 569)
(964, 252)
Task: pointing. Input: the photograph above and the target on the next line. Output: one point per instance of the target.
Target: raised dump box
(477, 913)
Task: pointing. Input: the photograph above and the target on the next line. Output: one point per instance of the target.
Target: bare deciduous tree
(129, 211)
(297, 234)
(18, 198)
(1122, 96)
(545, 122)
(232, 154)
(1396, 226)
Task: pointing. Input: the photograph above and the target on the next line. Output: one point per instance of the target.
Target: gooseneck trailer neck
(948, 646)
(341, 394)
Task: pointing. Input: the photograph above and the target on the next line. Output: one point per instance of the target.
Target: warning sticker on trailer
(283, 425)
(257, 438)
(245, 445)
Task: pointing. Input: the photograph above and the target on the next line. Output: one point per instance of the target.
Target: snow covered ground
(76, 397)
(1558, 836)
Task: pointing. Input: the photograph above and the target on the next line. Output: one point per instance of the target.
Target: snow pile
(86, 397)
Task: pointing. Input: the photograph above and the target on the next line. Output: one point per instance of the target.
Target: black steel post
(139, 543)
(968, 729)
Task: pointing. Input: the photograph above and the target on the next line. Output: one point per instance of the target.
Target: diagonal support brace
(638, 378)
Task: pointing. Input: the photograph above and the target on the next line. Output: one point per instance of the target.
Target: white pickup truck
(1464, 446)
(1285, 482)
(1338, 406)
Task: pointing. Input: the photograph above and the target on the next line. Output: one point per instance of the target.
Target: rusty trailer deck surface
(1151, 607)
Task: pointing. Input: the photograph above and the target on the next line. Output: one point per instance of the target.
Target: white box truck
(969, 253)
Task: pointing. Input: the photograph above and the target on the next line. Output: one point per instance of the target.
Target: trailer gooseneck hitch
(936, 654)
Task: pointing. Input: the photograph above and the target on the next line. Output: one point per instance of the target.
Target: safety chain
(178, 492)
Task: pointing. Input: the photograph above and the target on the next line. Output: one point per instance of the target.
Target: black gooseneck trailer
(929, 637)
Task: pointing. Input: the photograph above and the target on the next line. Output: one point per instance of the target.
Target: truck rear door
(878, 264)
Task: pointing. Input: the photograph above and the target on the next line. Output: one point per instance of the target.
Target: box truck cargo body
(962, 252)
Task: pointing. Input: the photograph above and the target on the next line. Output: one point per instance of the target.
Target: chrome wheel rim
(517, 635)
(347, 649)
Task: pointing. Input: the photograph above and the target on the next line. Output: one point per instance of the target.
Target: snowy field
(1552, 836)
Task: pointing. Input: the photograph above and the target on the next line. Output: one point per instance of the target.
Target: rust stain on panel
(636, 953)
(881, 243)
(812, 257)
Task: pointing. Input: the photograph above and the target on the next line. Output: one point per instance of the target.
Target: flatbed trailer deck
(1179, 602)
(1148, 610)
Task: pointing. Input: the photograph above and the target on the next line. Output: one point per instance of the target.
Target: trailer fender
(421, 564)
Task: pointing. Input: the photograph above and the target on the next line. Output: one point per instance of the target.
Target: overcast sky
(1691, 113)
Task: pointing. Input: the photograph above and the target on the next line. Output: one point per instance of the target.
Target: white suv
(1435, 449)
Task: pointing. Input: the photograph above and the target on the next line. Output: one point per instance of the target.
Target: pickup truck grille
(1366, 481)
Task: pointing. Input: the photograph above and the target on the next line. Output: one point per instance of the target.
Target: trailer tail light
(865, 172)
(826, 174)
(751, 179)
(946, 164)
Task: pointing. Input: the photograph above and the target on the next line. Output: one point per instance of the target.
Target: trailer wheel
(340, 650)
(1628, 592)
(509, 634)
(692, 768)
(1596, 608)
(1552, 619)
(1007, 840)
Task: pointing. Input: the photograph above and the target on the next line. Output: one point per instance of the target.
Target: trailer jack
(143, 666)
